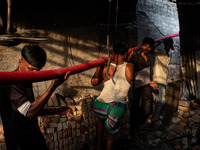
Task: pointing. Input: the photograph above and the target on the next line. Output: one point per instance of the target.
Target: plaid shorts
(112, 113)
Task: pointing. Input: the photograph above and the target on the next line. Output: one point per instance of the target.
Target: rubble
(78, 131)
(179, 134)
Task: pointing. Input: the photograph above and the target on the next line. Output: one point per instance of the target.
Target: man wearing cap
(19, 109)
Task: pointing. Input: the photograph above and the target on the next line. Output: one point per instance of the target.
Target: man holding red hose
(19, 109)
(110, 105)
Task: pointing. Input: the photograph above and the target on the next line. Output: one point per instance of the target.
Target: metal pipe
(9, 2)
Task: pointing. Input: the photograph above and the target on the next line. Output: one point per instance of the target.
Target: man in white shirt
(167, 74)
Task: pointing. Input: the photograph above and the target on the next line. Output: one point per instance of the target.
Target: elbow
(30, 115)
(94, 82)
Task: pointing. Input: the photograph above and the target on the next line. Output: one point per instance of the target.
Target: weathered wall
(157, 18)
(64, 48)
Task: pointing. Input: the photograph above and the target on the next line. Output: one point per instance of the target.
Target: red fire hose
(22, 77)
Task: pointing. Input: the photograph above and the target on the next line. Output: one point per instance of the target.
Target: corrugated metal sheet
(189, 12)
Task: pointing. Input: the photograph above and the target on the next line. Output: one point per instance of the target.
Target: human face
(168, 46)
(146, 48)
(25, 66)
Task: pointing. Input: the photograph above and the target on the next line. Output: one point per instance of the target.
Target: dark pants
(172, 99)
(33, 141)
(141, 108)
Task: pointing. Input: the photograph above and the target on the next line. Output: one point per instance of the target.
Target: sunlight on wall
(156, 19)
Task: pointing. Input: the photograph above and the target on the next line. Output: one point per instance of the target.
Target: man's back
(116, 88)
(128, 72)
(160, 67)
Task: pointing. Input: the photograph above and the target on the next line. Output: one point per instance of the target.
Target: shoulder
(129, 67)
(137, 53)
(111, 67)
(158, 52)
(110, 73)
(136, 56)
(19, 88)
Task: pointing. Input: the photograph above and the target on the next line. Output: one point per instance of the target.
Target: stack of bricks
(62, 133)
(71, 133)
(183, 128)
(184, 124)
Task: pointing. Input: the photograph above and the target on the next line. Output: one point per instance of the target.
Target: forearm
(39, 104)
(130, 56)
(98, 76)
